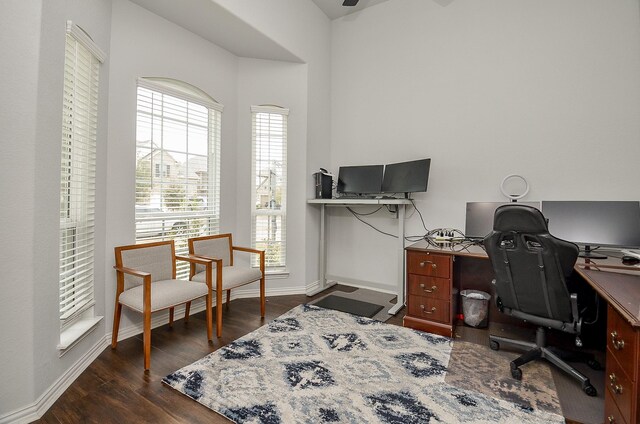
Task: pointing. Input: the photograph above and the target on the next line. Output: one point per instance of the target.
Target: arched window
(177, 163)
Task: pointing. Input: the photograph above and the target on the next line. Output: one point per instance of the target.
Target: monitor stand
(589, 254)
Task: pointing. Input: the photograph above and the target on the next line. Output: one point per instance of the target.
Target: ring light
(514, 197)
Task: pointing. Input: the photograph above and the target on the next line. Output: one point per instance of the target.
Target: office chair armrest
(574, 307)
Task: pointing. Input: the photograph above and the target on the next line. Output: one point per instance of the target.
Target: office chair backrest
(531, 266)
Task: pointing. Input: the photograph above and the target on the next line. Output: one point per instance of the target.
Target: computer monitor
(366, 179)
(406, 177)
(594, 223)
(479, 217)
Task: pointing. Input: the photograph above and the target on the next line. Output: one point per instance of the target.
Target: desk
(432, 281)
(399, 203)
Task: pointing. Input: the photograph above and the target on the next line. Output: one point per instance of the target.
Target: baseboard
(37, 409)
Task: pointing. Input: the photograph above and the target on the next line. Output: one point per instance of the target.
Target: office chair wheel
(594, 365)
(516, 372)
(590, 390)
(494, 345)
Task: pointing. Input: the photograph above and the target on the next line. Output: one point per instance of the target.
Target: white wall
(303, 29)
(18, 86)
(545, 89)
(143, 44)
(284, 84)
(33, 37)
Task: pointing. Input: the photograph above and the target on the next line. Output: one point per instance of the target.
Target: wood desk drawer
(622, 342)
(425, 263)
(619, 387)
(432, 287)
(612, 414)
(429, 309)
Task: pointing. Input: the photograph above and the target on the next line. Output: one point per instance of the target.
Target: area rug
(315, 365)
(492, 376)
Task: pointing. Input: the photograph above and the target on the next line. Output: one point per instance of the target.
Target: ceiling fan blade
(349, 2)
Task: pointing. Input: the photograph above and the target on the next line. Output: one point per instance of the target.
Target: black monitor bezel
(422, 164)
(379, 169)
(582, 203)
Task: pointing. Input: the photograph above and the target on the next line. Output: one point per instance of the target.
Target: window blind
(269, 180)
(77, 173)
(177, 165)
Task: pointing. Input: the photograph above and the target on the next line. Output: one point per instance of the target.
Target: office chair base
(538, 350)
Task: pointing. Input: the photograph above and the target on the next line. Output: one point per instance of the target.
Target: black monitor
(406, 177)
(479, 217)
(594, 223)
(366, 179)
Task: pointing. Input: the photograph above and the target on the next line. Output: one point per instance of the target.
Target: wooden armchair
(219, 249)
(146, 283)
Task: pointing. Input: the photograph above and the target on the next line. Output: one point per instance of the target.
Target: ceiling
(334, 8)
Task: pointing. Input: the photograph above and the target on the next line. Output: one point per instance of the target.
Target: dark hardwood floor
(115, 388)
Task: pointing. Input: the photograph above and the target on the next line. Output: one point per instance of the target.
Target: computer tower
(323, 184)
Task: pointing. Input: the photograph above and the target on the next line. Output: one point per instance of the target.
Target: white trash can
(475, 307)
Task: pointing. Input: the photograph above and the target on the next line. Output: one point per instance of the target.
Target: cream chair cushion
(164, 293)
(232, 276)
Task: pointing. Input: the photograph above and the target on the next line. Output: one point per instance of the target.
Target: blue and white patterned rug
(314, 365)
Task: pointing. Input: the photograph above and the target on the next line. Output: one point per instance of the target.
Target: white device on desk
(631, 252)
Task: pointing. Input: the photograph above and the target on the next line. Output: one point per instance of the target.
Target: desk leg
(401, 274)
(322, 262)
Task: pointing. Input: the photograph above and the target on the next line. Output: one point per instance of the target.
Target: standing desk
(435, 272)
(400, 215)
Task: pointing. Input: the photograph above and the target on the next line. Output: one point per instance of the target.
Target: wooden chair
(219, 249)
(146, 283)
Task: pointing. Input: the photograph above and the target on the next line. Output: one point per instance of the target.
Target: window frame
(281, 211)
(78, 161)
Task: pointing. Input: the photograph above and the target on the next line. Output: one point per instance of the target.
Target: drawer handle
(433, 288)
(611, 419)
(617, 388)
(618, 344)
(423, 263)
(433, 309)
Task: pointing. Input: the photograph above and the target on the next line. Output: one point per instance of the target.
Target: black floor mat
(356, 307)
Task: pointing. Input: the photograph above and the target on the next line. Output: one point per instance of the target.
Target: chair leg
(228, 297)
(116, 325)
(209, 315)
(262, 298)
(187, 309)
(147, 339)
(171, 316)
(219, 313)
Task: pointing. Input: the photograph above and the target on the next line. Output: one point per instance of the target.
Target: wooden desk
(400, 214)
(433, 274)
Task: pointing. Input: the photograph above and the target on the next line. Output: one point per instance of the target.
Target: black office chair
(531, 267)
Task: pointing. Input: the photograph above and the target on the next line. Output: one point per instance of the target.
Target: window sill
(277, 274)
(76, 332)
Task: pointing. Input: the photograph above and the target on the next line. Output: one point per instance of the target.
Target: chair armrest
(248, 249)
(132, 271)
(207, 259)
(201, 260)
(256, 251)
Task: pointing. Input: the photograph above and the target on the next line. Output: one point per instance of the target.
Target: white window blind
(269, 179)
(177, 163)
(77, 175)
